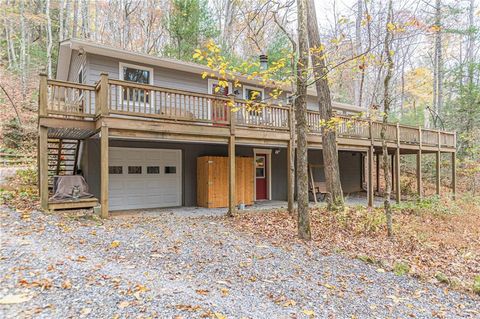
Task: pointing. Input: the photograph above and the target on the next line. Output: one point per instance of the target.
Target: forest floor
(168, 266)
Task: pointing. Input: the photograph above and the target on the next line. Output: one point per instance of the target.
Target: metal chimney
(263, 62)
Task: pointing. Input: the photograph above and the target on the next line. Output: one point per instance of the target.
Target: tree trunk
(61, 20)
(304, 231)
(23, 53)
(358, 48)
(386, 111)
(49, 39)
(75, 19)
(437, 66)
(85, 22)
(329, 135)
(67, 20)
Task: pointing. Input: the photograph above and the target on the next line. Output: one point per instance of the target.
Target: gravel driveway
(184, 267)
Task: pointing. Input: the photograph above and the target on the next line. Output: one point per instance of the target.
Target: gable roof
(67, 46)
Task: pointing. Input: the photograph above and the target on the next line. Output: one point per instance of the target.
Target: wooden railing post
(101, 100)
(43, 95)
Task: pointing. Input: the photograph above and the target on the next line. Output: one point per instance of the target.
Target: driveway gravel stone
(170, 266)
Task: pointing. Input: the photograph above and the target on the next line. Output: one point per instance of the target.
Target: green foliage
(401, 268)
(189, 23)
(476, 285)
(441, 277)
(13, 134)
(21, 191)
(428, 205)
(367, 259)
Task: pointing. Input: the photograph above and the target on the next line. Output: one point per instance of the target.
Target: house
(133, 125)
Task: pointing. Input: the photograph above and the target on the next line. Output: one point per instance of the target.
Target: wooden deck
(114, 108)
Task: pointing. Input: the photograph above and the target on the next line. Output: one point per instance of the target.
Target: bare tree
(329, 135)
(49, 39)
(75, 19)
(386, 112)
(437, 65)
(304, 231)
(23, 49)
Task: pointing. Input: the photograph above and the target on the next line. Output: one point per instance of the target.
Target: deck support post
(291, 161)
(370, 177)
(437, 156)
(392, 158)
(232, 203)
(290, 189)
(454, 175)
(104, 171)
(43, 166)
(419, 164)
(378, 172)
(398, 190)
(370, 165)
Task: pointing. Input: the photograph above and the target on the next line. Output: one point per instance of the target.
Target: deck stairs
(62, 158)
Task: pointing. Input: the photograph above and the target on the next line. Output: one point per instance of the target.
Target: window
(260, 166)
(115, 170)
(212, 84)
(170, 169)
(137, 74)
(252, 93)
(134, 170)
(153, 169)
(80, 75)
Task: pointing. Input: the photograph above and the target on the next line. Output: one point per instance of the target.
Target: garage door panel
(145, 190)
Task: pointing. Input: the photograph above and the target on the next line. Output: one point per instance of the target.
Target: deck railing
(70, 99)
(73, 100)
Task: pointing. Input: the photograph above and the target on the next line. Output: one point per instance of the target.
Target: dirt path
(183, 267)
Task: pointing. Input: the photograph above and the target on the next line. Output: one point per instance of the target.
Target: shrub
(13, 134)
(476, 285)
(400, 268)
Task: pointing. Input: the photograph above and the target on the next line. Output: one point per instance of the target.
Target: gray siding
(350, 165)
(350, 169)
(163, 77)
(76, 62)
(190, 152)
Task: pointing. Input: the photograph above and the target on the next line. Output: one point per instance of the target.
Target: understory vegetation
(436, 239)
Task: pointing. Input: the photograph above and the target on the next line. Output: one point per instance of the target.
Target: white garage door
(144, 178)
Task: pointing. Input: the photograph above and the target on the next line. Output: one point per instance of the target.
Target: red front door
(261, 176)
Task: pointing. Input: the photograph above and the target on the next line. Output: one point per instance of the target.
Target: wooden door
(261, 177)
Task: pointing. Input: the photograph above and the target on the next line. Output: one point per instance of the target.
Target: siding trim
(134, 66)
(268, 153)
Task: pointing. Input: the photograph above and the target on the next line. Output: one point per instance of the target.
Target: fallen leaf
(85, 311)
(123, 304)
(203, 292)
(310, 313)
(218, 315)
(225, 291)
(67, 284)
(114, 244)
(13, 299)
(289, 303)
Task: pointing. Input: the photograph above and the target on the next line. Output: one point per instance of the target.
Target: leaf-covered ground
(57, 266)
(437, 240)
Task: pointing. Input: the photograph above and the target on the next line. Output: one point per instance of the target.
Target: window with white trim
(137, 74)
